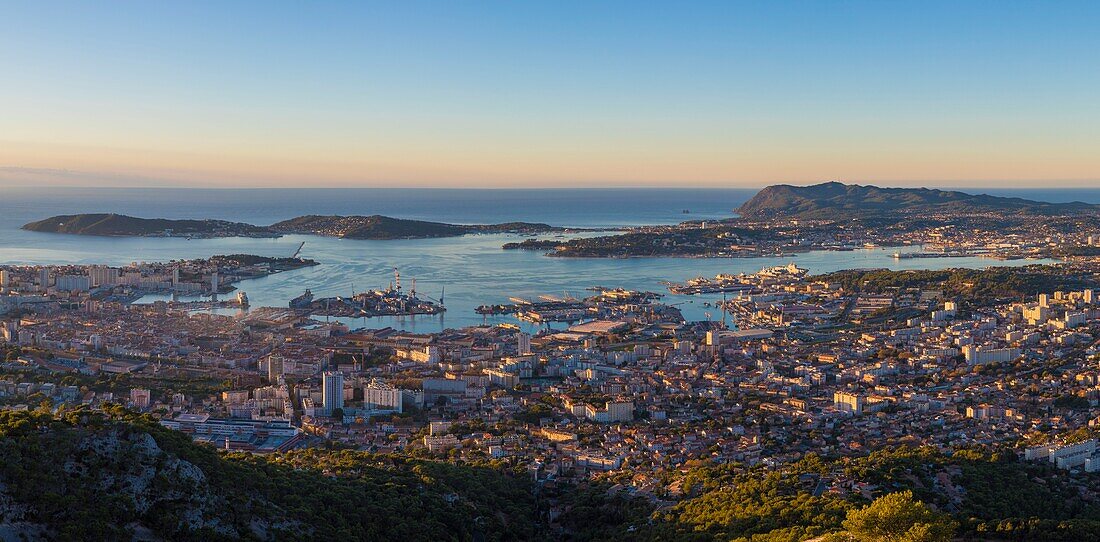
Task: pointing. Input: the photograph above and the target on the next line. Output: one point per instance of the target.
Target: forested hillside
(86, 475)
(111, 475)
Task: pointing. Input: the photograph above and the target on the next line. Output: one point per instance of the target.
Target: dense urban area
(804, 407)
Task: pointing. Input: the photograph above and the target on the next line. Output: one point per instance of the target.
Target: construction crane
(299, 251)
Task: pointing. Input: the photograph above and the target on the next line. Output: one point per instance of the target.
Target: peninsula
(783, 220)
(834, 200)
(350, 227)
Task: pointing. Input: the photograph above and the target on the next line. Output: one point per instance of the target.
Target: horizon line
(903, 184)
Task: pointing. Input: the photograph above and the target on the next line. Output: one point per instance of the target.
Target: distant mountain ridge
(839, 200)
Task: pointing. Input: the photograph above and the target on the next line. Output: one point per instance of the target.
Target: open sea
(473, 269)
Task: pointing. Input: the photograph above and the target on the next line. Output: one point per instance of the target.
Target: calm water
(473, 269)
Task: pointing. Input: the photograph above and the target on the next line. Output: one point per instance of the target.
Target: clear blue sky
(550, 94)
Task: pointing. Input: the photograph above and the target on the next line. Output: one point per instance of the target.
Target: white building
(976, 355)
(74, 283)
(380, 395)
(1074, 455)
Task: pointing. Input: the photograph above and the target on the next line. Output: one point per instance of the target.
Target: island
(375, 227)
(116, 225)
(384, 227)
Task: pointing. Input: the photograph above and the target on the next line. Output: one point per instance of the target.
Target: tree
(897, 517)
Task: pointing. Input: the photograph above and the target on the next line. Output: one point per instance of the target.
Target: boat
(303, 301)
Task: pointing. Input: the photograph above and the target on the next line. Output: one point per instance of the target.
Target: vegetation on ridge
(834, 200)
(89, 475)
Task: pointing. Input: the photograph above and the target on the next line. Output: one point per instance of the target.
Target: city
(623, 391)
(704, 271)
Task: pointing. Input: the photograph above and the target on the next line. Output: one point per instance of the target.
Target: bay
(473, 269)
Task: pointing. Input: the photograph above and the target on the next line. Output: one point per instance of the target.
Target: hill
(110, 224)
(384, 227)
(835, 200)
(990, 495)
(89, 475)
(110, 474)
(350, 227)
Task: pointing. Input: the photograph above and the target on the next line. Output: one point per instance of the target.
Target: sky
(549, 94)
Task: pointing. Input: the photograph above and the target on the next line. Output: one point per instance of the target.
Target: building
(434, 388)
(44, 278)
(332, 392)
(441, 443)
(1066, 456)
(74, 283)
(381, 396)
(612, 411)
(523, 345)
(620, 411)
(429, 354)
(256, 436)
(1074, 319)
(1037, 315)
(274, 368)
(101, 275)
(140, 398)
(976, 355)
(503, 379)
(852, 403)
(724, 337)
